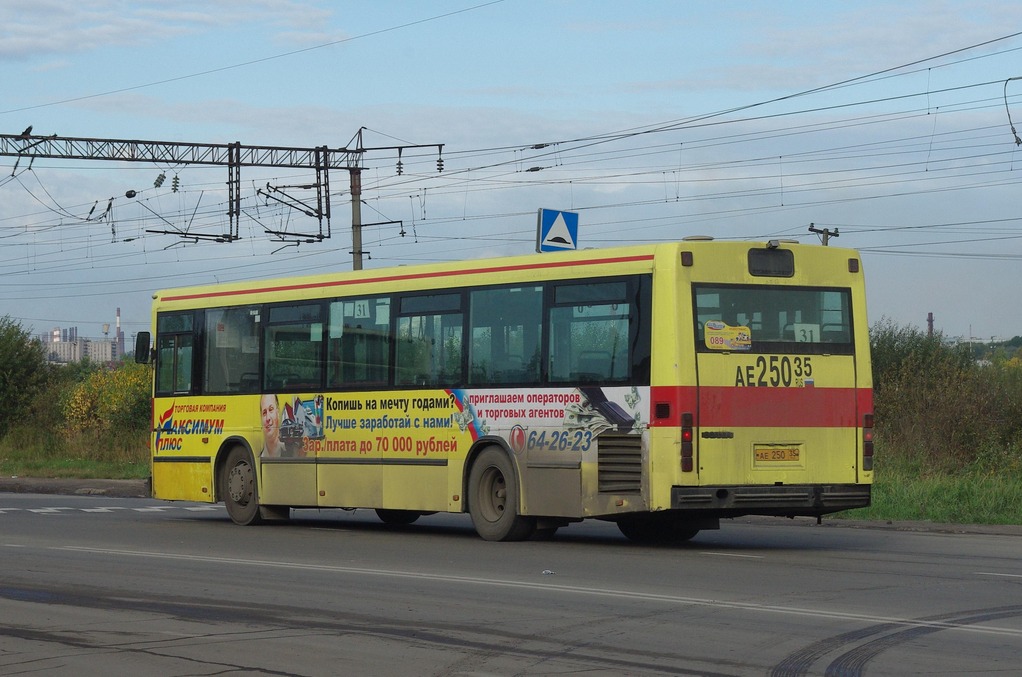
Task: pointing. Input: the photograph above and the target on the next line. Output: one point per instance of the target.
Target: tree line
(940, 406)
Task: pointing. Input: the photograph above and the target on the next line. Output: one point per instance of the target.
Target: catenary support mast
(28, 147)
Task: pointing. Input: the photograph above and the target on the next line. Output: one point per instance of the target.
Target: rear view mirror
(142, 347)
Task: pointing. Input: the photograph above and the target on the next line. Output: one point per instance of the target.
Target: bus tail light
(687, 459)
(867, 442)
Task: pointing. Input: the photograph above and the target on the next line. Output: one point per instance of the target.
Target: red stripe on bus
(407, 276)
(742, 407)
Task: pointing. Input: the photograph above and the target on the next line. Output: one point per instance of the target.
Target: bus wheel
(238, 487)
(545, 534)
(397, 517)
(652, 529)
(493, 499)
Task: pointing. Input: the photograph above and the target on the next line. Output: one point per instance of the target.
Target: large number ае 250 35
(775, 371)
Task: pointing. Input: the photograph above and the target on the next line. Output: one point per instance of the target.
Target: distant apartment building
(63, 346)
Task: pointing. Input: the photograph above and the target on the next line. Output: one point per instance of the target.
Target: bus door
(776, 374)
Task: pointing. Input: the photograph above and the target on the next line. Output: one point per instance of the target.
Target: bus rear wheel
(238, 487)
(493, 499)
(656, 528)
(397, 517)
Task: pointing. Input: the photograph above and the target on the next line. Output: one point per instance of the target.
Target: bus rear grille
(619, 463)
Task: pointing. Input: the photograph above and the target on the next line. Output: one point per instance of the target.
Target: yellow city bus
(662, 387)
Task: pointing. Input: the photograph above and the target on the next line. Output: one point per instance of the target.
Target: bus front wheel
(238, 487)
(493, 499)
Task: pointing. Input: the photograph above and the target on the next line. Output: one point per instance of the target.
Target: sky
(887, 123)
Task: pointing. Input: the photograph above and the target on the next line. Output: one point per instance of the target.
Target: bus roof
(588, 262)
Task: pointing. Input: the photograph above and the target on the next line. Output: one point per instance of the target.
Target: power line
(253, 62)
(927, 172)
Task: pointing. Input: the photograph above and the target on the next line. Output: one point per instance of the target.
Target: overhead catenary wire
(968, 157)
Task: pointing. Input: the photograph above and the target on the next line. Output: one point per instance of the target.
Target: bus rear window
(773, 319)
(771, 263)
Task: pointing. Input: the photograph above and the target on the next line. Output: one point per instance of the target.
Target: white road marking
(64, 510)
(419, 576)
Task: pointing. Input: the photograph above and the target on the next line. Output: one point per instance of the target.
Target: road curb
(921, 526)
(80, 487)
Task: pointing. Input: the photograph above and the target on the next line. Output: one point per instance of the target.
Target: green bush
(937, 408)
(23, 373)
(86, 420)
(110, 401)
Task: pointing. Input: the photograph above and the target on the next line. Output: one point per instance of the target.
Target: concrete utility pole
(321, 159)
(824, 233)
(356, 218)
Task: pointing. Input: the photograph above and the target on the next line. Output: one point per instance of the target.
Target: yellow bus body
(747, 388)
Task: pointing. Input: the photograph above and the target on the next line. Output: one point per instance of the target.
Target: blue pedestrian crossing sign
(557, 231)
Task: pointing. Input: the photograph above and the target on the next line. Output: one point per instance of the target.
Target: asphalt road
(95, 583)
(140, 489)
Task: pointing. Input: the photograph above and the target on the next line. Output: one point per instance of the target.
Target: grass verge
(38, 454)
(71, 468)
(903, 492)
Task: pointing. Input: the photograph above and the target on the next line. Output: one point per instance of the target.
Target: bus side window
(293, 347)
(429, 340)
(414, 351)
(597, 331)
(174, 363)
(175, 341)
(505, 335)
(593, 365)
(358, 347)
(231, 348)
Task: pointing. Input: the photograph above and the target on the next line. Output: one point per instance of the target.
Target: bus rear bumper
(782, 499)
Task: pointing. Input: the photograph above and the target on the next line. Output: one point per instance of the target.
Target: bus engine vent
(619, 462)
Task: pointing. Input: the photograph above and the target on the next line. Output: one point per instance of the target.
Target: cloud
(46, 28)
(861, 38)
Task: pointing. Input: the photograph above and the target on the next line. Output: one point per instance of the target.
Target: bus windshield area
(773, 319)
